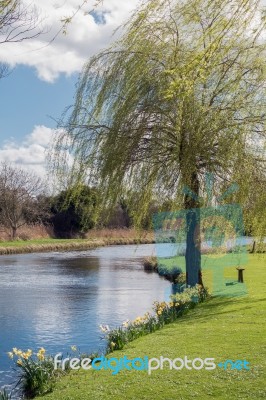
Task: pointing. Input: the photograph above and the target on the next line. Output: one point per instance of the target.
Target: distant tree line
(71, 213)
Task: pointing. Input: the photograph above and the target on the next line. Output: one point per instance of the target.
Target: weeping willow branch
(180, 94)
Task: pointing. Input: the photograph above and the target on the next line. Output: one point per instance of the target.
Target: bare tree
(19, 191)
(18, 22)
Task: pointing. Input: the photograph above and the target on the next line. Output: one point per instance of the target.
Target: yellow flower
(74, 348)
(40, 356)
(112, 344)
(159, 312)
(42, 350)
(16, 351)
(26, 354)
(138, 320)
(10, 354)
(19, 362)
(29, 352)
(126, 323)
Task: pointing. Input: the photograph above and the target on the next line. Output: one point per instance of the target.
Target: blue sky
(26, 101)
(43, 74)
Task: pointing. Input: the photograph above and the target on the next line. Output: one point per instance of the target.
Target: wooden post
(240, 274)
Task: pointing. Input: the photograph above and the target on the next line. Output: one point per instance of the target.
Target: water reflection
(56, 300)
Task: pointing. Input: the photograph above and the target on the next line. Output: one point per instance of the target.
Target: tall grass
(28, 232)
(122, 234)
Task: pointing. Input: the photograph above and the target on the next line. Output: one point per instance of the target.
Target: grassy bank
(223, 328)
(94, 239)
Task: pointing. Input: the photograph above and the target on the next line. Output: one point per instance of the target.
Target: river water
(55, 300)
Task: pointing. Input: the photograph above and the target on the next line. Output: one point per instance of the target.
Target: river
(56, 300)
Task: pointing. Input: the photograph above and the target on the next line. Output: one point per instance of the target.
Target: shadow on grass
(211, 308)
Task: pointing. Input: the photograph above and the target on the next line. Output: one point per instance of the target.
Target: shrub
(150, 264)
(73, 211)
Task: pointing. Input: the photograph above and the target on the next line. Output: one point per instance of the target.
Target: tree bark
(14, 232)
(193, 242)
(253, 247)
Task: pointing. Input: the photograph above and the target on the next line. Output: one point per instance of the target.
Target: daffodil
(74, 348)
(42, 350)
(146, 316)
(126, 323)
(10, 354)
(40, 356)
(29, 352)
(138, 321)
(17, 352)
(19, 362)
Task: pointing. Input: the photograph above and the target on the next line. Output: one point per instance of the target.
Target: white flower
(104, 328)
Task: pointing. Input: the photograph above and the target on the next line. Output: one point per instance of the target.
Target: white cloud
(31, 153)
(67, 53)
(85, 37)
(41, 135)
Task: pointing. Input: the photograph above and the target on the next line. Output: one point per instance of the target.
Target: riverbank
(96, 239)
(223, 328)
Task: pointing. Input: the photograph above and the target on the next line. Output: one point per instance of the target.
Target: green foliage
(181, 93)
(36, 372)
(74, 211)
(37, 375)
(252, 196)
(36, 378)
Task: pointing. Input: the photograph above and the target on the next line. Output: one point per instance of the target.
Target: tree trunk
(193, 242)
(14, 232)
(253, 247)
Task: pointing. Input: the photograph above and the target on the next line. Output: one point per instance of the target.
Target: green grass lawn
(24, 243)
(223, 328)
(95, 239)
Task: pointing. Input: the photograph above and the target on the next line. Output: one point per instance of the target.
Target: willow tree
(181, 93)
